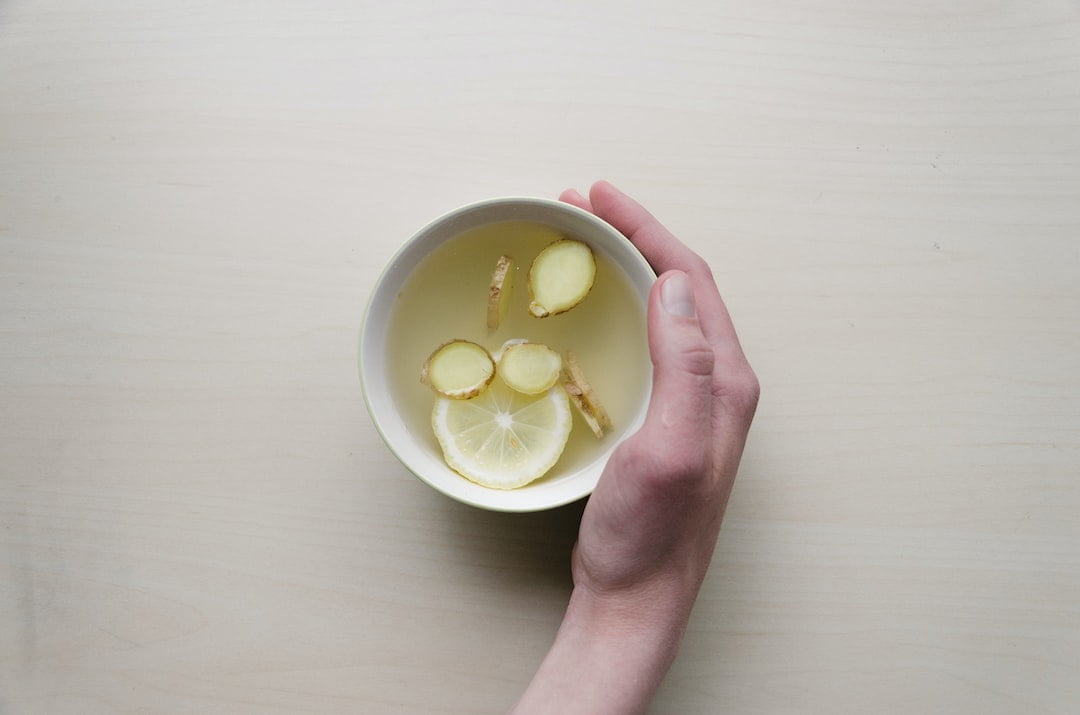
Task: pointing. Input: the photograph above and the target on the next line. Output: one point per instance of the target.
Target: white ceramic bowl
(419, 456)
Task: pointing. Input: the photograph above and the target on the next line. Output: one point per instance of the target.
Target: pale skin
(648, 532)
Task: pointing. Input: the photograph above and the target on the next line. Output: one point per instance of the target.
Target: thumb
(681, 406)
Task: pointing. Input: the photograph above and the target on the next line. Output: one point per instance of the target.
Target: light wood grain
(196, 514)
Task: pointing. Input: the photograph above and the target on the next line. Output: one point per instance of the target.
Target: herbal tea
(450, 297)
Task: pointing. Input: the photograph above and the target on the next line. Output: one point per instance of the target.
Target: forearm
(609, 656)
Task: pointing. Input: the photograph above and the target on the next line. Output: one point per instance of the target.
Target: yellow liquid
(445, 298)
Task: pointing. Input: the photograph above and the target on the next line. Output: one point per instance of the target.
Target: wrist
(647, 620)
(610, 654)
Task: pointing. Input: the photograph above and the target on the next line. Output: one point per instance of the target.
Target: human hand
(651, 524)
(648, 532)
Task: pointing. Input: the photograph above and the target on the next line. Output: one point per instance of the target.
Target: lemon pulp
(501, 438)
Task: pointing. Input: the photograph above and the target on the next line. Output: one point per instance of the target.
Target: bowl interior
(410, 442)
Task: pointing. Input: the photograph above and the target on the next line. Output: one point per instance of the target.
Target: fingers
(572, 197)
(656, 243)
(665, 252)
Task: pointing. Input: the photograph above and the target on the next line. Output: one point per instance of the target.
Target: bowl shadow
(525, 553)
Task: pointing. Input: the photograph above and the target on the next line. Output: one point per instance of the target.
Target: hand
(649, 529)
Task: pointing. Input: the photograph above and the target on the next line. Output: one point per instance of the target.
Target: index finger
(666, 252)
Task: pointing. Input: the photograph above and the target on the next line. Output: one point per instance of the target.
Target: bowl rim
(365, 326)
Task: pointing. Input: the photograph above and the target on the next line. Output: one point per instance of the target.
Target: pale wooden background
(196, 514)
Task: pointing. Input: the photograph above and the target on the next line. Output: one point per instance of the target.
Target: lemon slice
(503, 439)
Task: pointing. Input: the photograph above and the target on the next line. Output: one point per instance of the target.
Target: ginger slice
(459, 369)
(530, 368)
(502, 280)
(583, 396)
(560, 277)
(497, 355)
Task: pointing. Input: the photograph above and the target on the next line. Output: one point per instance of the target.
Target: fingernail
(677, 295)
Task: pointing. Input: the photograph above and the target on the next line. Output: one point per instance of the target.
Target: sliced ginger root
(530, 368)
(502, 280)
(497, 355)
(583, 396)
(459, 369)
(560, 277)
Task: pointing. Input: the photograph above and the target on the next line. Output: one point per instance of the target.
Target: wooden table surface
(197, 515)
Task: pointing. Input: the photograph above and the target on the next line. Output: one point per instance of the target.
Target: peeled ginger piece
(530, 368)
(502, 281)
(459, 369)
(560, 277)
